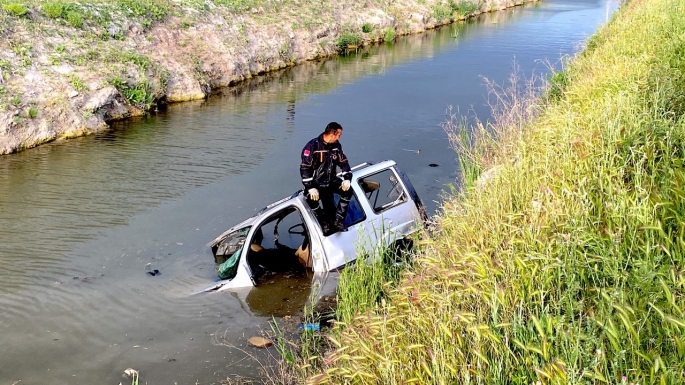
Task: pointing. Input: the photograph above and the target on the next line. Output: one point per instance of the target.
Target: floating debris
(310, 326)
(133, 374)
(260, 342)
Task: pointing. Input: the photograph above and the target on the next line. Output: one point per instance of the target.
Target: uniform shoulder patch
(306, 152)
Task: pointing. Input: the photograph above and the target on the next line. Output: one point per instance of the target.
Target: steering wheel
(293, 229)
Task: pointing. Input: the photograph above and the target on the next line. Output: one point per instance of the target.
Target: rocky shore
(69, 72)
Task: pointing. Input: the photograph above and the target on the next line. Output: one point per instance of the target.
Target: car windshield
(230, 244)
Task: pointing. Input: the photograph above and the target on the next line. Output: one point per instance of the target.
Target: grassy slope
(568, 266)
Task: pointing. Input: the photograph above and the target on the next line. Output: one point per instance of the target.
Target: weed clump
(53, 10)
(74, 19)
(15, 9)
(390, 34)
(455, 10)
(237, 6)
(347, 41)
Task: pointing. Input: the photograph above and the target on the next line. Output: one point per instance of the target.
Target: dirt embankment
(61, 77)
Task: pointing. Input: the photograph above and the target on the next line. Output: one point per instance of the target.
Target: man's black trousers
(328, 213)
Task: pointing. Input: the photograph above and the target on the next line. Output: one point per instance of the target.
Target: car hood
(251, 220)
(245, 223)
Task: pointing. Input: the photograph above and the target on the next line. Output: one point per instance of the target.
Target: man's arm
(344, 164)
(307, 167)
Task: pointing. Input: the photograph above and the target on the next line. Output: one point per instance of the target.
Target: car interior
(381, 195)
(273, 250)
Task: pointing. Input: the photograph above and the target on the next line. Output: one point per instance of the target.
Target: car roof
(363, 169)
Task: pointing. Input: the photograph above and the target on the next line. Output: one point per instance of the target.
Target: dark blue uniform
(318, 170)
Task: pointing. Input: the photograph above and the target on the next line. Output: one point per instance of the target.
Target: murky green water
(82, 219)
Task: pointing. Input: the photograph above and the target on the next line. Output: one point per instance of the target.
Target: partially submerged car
(384, 208)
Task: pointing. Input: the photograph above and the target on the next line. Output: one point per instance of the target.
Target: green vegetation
(557, 85)
(363, 285)
(238, 6)
(33, 112)
(390, 34)
(563, 263)
(103, 13)
(74, 19)
(53, 10)
(141, 91)
(15, 9)
(94, 12)
(347, 41)
(24, 53)
(465, 8)
(77, 83)
(366, 28)
(5, 65)
(282, 346)
(71, 12)
(16, 99)
(455, 10)
(185, 24)
(140, 94)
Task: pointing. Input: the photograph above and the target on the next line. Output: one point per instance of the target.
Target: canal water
(84, 221)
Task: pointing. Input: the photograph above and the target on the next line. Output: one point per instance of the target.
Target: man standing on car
(320, 157)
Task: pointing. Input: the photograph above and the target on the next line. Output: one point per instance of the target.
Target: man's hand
(345, 185)
(313, 194)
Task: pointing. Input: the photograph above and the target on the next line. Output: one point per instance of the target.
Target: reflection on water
(83, 220)
(278, 295)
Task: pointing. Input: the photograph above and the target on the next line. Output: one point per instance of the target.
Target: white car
(384, 209)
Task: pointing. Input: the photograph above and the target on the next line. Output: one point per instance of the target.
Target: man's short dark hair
(332, 128)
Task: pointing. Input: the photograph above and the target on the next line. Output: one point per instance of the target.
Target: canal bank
(70, 69)
(566, 267)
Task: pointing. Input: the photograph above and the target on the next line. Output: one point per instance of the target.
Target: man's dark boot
(339, 226)
(343, 203)
(327, 229)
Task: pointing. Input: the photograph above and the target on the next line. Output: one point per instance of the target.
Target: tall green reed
(365, 284)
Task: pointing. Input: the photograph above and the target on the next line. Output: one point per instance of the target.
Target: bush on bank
(567, 265)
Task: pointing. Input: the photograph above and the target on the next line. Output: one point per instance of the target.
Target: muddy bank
(60, 78)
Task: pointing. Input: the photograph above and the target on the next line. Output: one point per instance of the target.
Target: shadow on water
(278, 296)
(83, 220)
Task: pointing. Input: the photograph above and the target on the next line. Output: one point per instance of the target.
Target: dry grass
(482, 146)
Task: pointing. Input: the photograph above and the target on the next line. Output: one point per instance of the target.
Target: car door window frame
(371, 187)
